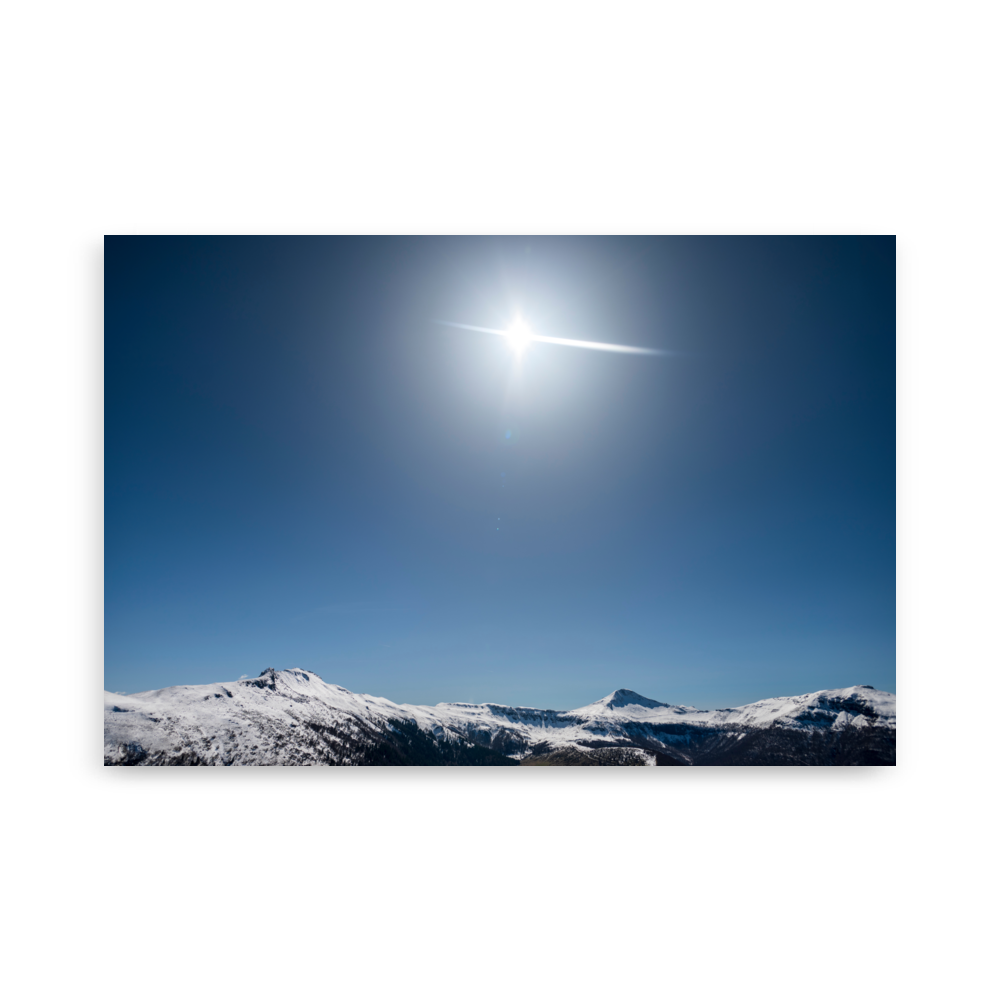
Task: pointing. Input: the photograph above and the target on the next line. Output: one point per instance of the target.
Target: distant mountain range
(292, 717)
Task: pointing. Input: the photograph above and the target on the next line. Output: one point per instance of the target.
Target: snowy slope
(627, 717)
(294, 717)
(254, 721)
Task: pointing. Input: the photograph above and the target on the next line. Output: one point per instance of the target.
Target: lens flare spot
(519, 336)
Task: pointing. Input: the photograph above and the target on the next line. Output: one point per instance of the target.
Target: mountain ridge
(293, 717)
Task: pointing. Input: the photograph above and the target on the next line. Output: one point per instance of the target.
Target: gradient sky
(304, 469)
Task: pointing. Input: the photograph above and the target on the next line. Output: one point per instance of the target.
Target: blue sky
(304, 469)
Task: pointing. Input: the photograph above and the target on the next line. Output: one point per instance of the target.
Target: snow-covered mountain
(293, 717)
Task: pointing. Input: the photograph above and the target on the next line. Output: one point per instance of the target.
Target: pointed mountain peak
(623, 697)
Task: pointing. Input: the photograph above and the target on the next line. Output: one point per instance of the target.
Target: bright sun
(519, 336)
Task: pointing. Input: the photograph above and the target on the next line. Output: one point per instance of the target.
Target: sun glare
(519, 336)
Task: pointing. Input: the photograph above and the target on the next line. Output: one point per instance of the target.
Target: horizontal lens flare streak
(590, 345)
(465, 326)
